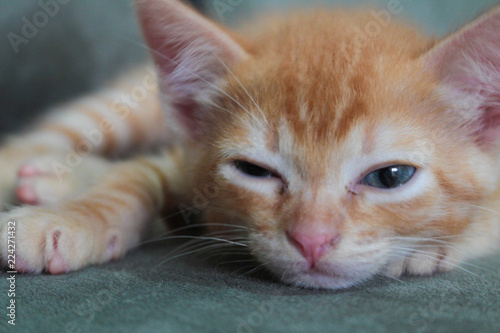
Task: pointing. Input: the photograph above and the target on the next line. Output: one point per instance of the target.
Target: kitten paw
(12, 156)
(42, 181)
(423, 262)
(52, 241)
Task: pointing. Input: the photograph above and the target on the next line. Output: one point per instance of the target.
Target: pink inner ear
(489, 132)
(175, 33)
(187, 115)
(468, 62)
(188, 50)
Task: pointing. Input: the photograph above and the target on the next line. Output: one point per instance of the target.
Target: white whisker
(422, 256)
(254, 270)
(188, 253)
(243, 87)
(195, 75)
(486, 209)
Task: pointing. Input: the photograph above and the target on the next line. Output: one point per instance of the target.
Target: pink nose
(313, 245)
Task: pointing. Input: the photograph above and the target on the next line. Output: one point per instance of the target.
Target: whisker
(188, 253)
(228, 111)
(192, 226)
(243, 87)
(200, 238)
(197, 243)
(485, 209)
(393, 278)
(254, 270)
(232, 252)
(398, 255)
(234, 262)
(191, 245)
(191, 73)
(430, 238)
(448, 260)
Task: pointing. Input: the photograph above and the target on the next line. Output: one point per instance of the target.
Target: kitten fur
(310, 100)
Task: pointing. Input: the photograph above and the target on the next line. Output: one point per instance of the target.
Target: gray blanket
(83, 45)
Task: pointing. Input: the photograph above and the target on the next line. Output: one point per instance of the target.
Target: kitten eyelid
(276, 174)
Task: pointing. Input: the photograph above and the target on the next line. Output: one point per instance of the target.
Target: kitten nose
(313, 245)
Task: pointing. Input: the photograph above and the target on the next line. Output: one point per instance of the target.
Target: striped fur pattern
(313, 109)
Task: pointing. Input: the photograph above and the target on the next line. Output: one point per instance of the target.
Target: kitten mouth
(315, 270)
(322, 278)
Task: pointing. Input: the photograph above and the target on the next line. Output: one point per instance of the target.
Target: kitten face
(344, 157)
(318, 134)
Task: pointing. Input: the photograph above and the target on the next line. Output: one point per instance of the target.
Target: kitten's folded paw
(424, 262)
(46, 180)
(38, 183)
(12, 156)
(37, 239)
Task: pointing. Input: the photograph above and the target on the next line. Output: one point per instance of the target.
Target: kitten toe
(38, 184)
(57, 265)
(46, 180)
(27, 194)
(426, 262)
(28, 170)
(53, 241)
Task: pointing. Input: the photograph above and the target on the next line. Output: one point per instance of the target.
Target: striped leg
(114, 121)
(100, 225)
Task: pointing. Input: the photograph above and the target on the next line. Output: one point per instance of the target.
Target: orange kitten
(331, 158)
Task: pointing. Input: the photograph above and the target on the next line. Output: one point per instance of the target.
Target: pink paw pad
(28, 171)
(26, 194)
(57, 265)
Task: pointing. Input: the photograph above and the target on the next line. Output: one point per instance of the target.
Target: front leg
(101, 225)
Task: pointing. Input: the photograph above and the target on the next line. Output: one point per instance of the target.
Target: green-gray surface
(90, 41)
(138, 294)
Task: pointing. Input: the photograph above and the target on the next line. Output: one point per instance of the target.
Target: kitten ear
(191, 53)
(468, 63)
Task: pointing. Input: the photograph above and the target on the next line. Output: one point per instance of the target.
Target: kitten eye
(253, 170)
(390, 177)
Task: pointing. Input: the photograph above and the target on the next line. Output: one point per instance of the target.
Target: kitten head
(340, 159)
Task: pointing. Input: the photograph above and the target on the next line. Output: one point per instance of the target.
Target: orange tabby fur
(300, 98)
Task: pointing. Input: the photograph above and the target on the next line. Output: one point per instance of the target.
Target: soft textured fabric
(140, 294)
(90, 41)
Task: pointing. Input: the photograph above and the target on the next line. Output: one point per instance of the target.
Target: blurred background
(54, 50)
